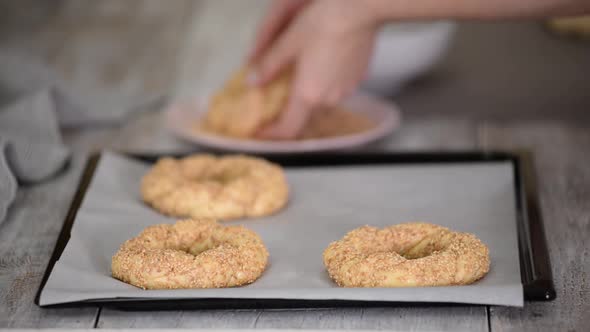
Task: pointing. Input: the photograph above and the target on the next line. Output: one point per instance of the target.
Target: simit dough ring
(406, 255)
(205, 186)
(239, 110)
(191, 254)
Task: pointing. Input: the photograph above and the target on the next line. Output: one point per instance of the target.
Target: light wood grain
(27, 239)
(562, 154)
(146, 134)
(393, 319)
(505, 71)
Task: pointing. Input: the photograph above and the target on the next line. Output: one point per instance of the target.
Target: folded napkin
(31, 149)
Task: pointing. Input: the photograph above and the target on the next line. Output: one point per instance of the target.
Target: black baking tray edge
(535, 265)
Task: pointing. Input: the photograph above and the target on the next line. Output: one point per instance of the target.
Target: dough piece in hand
(239, 110)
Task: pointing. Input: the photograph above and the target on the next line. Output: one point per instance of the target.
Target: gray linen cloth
(31, 149)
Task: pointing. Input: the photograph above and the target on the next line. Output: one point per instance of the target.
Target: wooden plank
(27, 239)
(393, 319)
(563, 166)
(146, 134)
(475, 81)
(89, 140)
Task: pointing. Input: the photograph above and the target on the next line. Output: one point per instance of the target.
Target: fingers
(277, 58)
(305, 98)
(268, 30)
(326, 68)
(278, 17)
(290, 123)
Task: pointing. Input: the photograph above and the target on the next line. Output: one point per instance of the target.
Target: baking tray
(533, 255)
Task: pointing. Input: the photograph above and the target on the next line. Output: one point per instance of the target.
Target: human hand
(329, 43)
(278, 17)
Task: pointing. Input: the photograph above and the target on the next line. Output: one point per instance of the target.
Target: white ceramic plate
(182, 117)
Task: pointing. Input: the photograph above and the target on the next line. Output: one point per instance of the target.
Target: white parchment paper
(325, 204)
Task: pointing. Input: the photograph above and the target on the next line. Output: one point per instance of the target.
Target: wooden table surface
(502, 86)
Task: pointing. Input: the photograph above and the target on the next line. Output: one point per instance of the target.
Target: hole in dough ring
(191, 254)
(406, 255)
(206, 186)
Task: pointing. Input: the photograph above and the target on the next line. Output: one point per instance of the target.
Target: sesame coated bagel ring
(191, 254)
(406, 255)
(205, 186)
